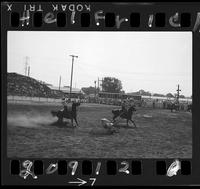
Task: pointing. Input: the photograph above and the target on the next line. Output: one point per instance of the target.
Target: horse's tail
(117, 112)
(114, 111)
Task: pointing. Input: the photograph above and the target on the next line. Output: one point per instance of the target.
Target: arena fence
(21, 99)
(146, 103)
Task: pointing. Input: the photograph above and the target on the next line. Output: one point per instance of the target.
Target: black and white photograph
(75, 94)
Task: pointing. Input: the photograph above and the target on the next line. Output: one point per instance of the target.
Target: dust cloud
(30, 121)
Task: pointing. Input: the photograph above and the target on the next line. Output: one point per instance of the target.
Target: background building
(76, 93)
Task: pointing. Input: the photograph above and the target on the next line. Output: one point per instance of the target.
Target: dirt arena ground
(159, 134)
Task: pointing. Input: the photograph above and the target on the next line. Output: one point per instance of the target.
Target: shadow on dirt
(124, 126)
(102, 132)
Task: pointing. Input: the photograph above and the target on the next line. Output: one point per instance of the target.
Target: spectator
(164, 104)
(153, 104)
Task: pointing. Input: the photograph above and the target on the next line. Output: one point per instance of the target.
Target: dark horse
(189, 107)
(174, 106)
(68, 114)
(124, 115)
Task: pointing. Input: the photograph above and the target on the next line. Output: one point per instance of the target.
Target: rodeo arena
(49, 121)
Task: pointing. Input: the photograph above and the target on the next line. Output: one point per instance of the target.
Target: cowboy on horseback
(126, 105)
(66, 102)
(131, 103)
(68, 111)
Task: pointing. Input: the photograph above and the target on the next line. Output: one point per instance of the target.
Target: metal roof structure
(66, 89)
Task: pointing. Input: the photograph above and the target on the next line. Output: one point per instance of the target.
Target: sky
(153, 61)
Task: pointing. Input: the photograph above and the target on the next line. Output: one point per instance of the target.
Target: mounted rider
(66, 102)
(176, 102)
(126, 104)
(132, 102)
(123, 105)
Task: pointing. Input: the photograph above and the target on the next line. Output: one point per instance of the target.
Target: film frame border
(148, 165)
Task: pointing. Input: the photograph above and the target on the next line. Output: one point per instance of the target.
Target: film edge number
(110, 19)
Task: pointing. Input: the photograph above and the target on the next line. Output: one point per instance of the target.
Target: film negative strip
(100, 94)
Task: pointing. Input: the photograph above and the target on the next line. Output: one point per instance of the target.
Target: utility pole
(28, 71)
(73, 56)
(102, 83)
(99, 84)
(178, 90)
(95, 88)
(26, 65)
(59, 82)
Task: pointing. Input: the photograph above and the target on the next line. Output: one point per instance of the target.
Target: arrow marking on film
(80, 182)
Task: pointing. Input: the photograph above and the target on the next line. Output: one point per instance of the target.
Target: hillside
(21, 85)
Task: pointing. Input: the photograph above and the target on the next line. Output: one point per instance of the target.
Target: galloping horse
(68, 114)
(189, 107)
(174, 106)
(124, 115)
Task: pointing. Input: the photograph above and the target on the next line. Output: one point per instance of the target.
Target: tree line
(114, 85)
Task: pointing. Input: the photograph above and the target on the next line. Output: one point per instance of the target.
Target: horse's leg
(114, 117)
(60, 119)
(127, 120)
(76, 121)
(133, 122)
(72, 121)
